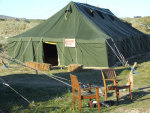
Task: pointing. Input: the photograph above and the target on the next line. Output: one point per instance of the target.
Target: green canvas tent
(79, 34)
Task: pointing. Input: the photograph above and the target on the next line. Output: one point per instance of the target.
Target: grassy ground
(51, 96)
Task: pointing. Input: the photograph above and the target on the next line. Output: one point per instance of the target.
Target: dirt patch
(138, 111)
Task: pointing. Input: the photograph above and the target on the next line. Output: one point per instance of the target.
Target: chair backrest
(74, 82)
(108, 74)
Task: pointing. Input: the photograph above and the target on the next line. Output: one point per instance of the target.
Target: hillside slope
(12, 27)
(142, 24)
(7, 17)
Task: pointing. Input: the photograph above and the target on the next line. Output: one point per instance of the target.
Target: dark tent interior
(50, 54)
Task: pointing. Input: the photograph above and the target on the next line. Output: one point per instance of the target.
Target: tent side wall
(135, 46)
(128, 47)
(26, 50)
(90, 55)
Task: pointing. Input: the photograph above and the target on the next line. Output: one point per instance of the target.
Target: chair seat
(123, 87)
(87, 93)
(118, 87)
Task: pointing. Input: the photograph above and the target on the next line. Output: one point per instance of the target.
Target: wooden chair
(109, 75)
(79, 93)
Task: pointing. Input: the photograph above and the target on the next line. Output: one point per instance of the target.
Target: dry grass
(142, 24)
(12, 27)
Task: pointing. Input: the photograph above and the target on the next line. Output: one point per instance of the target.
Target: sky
(43, 9)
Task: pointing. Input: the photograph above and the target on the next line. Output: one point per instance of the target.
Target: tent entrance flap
(50, 53)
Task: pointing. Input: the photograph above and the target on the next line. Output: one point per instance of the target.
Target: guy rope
(23, 64)
(6, 84)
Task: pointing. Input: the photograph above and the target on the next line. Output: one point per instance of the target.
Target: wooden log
(75, 67)
(39, 66)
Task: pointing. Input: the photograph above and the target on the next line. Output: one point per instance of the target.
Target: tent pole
(76, 54)
(36, 52)
(63, 53)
